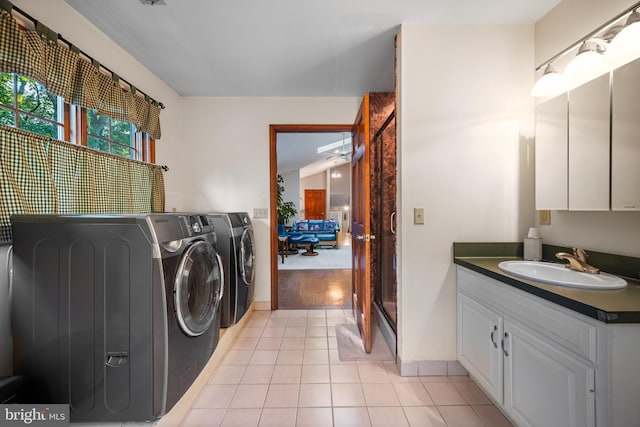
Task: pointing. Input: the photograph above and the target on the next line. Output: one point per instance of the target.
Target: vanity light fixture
(551, 83)
(597, 54)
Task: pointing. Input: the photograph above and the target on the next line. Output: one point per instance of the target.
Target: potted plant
(286, 210)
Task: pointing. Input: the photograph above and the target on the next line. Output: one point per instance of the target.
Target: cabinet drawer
(567, 328)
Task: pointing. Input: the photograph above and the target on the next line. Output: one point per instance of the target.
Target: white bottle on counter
(533, 245)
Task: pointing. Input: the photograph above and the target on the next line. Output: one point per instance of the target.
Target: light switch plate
(418, 215)
(545, 217)
(260, 213)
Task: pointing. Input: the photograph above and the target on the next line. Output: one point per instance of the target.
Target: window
(27, 105)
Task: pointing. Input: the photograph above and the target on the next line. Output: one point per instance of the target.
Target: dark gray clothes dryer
(115, 315)
(236, 246)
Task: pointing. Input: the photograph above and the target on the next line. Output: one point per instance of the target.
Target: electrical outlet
(418, 215)
(545, 217)
(260, 213)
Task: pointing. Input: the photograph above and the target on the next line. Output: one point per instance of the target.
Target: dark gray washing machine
(236, 246)
(115, 315)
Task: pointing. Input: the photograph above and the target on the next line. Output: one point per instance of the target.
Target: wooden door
(315, 204)
(361, 226)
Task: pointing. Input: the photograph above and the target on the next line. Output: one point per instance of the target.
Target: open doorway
(307, 287)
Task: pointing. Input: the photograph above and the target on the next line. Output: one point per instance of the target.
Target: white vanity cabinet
(543, 364)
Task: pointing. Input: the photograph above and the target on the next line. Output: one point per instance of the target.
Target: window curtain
(39, 175)
(61, 69)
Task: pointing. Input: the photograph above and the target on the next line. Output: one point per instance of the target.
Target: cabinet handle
(493, 341)
(504, 350)
(393, 223)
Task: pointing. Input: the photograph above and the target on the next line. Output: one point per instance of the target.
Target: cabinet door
(552, 154)
(544, 387)
(479, 332)
(625, 145)
(589, 118)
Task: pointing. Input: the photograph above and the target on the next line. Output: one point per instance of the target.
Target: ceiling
(282, 47)
(300, 151)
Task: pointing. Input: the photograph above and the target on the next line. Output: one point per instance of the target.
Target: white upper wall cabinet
(552, 154)
(625, 138)
(589, 118)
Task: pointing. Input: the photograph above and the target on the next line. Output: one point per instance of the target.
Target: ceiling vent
(154, 2)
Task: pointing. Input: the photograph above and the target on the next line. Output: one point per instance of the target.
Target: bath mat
(350, 345)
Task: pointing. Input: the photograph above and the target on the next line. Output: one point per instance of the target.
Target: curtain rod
(8, 6)
(588, 36)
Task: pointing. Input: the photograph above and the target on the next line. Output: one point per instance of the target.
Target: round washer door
(198, 288)
(247, 256)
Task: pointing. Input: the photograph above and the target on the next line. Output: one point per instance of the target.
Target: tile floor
(284, 370)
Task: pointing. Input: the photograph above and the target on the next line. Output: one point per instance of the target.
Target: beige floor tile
(277, 322)
(444, 393)
(249, 396)
(435, 379)
(373, 373)
(278, 417)
(264, 357)
(257, 374)
(345, 374)
(317, 321)
(237, 357)
(459, 378)
(460, 416)
(257, 322)
(282, 396)
(298, 313)
(316, 331)
(268, 343)
(260, 314)
(471, 393)
(412, 394)
(292, 343)
(315, 357)
(286, 374)
(227, 374)
(316, 343)
(314, 395)
(215, 396)
(251, 333)
(335, 312)
(424, 416)
(204, 418)
(491, 416)
(316, 313)
(331, 331)
(347, 395)
(245, 343)
(385, 417)
(295, 331)
(281, 313)
(315, 374)
(241, 418)
(290, 357)
(297, 321)
(376, 395)
(351, 417)
(333, 321)
(274, 332)
(314, 417)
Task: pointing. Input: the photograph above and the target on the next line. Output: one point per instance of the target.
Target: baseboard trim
(431, 368)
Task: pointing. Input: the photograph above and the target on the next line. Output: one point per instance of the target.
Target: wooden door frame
(274, 130)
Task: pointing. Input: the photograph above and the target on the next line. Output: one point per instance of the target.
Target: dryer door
(198, 288)
(247, 256)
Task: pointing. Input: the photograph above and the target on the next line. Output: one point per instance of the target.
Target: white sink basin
(558, 274)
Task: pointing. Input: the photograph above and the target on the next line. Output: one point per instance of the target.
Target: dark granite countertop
(609, 306)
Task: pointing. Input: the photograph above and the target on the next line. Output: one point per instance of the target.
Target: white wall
(465, 155)
(613, 232)
(227, 155)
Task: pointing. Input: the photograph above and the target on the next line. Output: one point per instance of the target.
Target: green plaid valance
(39, 175)
(64, 72)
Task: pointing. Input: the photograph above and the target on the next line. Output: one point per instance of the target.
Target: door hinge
(369, 237)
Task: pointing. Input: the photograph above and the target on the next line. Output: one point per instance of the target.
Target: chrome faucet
(577, 261)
